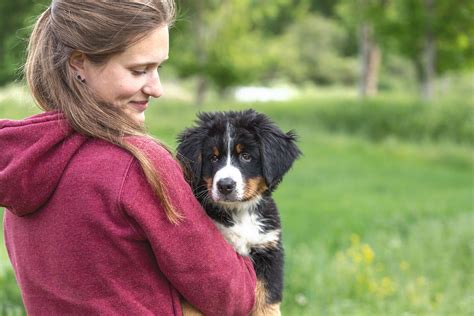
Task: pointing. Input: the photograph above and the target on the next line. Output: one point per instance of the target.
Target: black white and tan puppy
(234, 161)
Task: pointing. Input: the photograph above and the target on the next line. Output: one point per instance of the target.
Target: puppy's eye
(214, 159)
(245, 157)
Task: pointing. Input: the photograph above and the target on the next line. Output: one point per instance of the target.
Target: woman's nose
(153, 86)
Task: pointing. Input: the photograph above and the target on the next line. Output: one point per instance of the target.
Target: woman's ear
(76, 62)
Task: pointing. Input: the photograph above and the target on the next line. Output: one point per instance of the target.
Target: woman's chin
(139, 118)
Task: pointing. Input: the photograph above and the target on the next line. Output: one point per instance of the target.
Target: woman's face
(128, 80)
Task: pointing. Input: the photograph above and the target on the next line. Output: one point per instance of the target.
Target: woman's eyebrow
(147, 64)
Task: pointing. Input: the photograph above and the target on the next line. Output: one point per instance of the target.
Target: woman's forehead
(151, 49)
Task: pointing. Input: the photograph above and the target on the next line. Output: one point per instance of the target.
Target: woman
(100, 219)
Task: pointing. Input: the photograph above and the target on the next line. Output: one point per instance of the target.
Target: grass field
(370, 227)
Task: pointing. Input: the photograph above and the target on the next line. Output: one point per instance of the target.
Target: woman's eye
(214, 159)
(245, 157)
(138, 72)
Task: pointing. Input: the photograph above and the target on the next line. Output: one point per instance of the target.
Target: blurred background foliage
(378, 214)
(225, 43)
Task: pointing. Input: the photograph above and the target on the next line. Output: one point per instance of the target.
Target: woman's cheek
(131, 87)
(125, 94)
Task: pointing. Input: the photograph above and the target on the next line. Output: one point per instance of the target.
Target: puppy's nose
(226, 185)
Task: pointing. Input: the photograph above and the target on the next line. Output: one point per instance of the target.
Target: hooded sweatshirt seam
(23, 124)
(54, 117)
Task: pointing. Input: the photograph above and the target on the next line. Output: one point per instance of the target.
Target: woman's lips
(139, 106)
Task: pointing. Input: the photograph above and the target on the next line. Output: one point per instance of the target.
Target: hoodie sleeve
(193, 255)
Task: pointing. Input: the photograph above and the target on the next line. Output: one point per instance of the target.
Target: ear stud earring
(78, 77)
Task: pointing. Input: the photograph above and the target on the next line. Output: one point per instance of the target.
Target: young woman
(99, 217)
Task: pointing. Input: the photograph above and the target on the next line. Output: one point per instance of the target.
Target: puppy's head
(234, 157)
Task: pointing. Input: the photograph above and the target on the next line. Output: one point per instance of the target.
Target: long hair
(100, 30)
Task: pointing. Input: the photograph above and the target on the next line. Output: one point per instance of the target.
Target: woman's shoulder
(151, 148)
(147, 144)
(157, 152)
(110, 161)
(162, 161)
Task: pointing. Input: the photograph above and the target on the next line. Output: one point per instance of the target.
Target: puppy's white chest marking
(247, 233)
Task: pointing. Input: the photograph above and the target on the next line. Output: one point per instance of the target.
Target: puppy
(234, 161)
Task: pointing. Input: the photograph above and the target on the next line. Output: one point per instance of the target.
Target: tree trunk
(370, 59)
(201, 53)
(428, 54)
(201, 90)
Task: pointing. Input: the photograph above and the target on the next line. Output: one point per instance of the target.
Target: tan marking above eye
(239, 148)
(215, 151)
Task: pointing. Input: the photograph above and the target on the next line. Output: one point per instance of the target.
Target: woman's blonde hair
(99, 29)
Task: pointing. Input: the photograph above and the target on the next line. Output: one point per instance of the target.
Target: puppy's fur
(235, 160)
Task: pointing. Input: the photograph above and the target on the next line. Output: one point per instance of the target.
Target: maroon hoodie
(86, 235)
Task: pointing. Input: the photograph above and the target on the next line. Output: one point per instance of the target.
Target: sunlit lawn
(370, 228)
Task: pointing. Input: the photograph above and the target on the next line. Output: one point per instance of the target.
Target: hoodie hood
(34, 153)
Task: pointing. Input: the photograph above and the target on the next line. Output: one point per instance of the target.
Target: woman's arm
(193, 255)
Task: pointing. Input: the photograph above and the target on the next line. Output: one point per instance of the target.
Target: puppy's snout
(226, 185)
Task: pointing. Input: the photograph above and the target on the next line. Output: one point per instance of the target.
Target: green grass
(371, 226)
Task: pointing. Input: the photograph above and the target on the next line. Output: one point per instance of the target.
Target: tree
(207, 36)
(312, 48)
(226, 42)
(365, 18)
(12, 15)
(435, 35)
(15, 19)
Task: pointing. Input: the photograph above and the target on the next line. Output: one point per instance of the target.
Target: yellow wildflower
(404, 266)
(367, 254)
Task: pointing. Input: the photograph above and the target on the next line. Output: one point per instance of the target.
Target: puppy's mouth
(222, 195)
(235, 201)
(228, 192)
(221, 198)
(237, 205)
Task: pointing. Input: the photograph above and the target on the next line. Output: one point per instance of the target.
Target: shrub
(413, 121)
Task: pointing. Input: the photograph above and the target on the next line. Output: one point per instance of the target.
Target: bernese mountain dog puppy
(234, 161)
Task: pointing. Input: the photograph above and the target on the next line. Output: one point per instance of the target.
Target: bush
(413, 121)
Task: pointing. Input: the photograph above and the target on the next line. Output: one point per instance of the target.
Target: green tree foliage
(16, 18)
(229, 42)
(12, 16)
(273, 17)
(452, 25)
(455, 26)
(312, 50)
(215, 39)
(324, 7)
(435, 35)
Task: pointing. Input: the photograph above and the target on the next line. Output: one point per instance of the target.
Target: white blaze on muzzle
(228, 174)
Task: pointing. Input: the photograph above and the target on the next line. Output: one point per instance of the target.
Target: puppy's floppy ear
(278, 150)
(189, 153)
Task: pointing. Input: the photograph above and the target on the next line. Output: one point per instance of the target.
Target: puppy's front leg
(262, 308)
